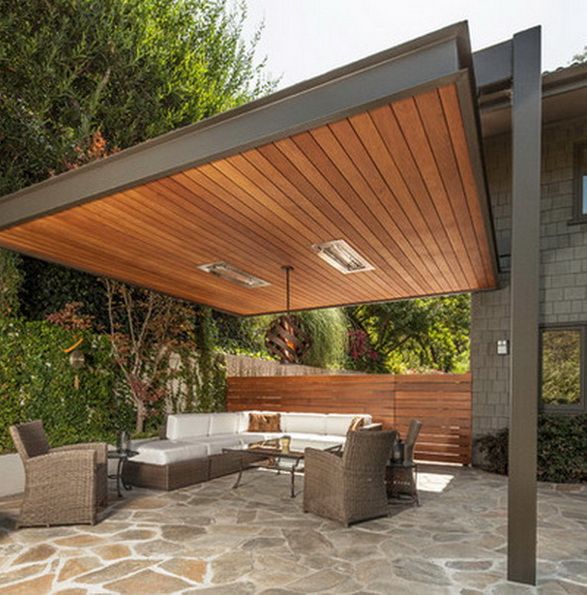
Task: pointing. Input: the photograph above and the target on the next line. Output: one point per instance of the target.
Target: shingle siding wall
(563, 265)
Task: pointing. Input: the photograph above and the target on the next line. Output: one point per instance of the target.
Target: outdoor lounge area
(256, 539)
(134, 462)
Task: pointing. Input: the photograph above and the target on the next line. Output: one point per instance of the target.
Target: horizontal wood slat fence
(441, 401)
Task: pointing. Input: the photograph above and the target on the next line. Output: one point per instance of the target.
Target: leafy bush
(10, 282)
(37, 382)
(562, 449)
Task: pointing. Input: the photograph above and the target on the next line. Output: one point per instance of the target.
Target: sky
(304, 38)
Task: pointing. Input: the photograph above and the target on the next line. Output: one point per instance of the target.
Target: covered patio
(384, 155)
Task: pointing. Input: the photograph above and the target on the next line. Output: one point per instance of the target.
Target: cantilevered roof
(383, 153)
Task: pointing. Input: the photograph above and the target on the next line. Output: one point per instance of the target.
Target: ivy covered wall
(37, 382)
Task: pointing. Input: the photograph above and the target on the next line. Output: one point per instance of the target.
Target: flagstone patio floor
(256, 539)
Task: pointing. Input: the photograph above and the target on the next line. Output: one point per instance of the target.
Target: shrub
(37, 382)
(562, 449)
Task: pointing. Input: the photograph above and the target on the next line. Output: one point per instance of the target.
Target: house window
(563, 368)
(580, 176)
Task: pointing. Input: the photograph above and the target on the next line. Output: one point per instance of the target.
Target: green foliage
(48, 288)
(238, 334)
(329, 332)
(561, 366)
(494, 448)
(131, 69)
(327, 328)
(10, 282)
(37, 382)
(205, 377)
(562, 448)
(420, 334)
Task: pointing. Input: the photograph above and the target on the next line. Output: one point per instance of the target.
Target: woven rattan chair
(402, 475)
(351, 487)
(63, 486)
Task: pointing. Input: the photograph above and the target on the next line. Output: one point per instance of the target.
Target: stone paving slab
(256, 539)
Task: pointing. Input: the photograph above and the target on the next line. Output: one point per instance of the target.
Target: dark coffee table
(121, 456)
(269, 454)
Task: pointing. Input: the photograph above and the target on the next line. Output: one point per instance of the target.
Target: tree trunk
(140, 419)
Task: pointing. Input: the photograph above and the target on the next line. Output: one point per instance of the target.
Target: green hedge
(562, 449)
(37, 382)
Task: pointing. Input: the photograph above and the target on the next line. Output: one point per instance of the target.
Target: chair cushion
(223, 423)
(264, 422)
(339, 423)
(164, 452)
(300, 443)
(184, 425)
(309, 423)
(32, 438)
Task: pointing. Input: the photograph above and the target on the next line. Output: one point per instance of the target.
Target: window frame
(580, 407)
(578, 169)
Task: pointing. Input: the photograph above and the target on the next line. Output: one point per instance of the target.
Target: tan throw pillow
(356, 424)
(264, 422)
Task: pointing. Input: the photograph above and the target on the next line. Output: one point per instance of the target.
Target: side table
(402, 480)
(121, 456)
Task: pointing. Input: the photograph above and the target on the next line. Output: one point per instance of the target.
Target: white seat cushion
(224, 423)
(215, 444)
(309, 423)
(185, 425)
(164, 452)
(250, 437)
(338, 423)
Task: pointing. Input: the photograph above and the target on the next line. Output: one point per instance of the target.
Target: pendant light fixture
(286, 338)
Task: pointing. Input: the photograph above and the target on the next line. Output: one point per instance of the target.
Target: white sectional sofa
(192, 449)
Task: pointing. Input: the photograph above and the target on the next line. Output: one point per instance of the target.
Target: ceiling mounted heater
(233, 274)
(343, 257)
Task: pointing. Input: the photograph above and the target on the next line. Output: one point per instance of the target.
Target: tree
(146, 329)
(580, 58)
(418, 334)
(126, 69)
(131, 69)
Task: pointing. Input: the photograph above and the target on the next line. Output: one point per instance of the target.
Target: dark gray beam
(493, 65)
(398, 72)
(525, 285)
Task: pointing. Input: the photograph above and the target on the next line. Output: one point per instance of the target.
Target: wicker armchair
(351, 487)
(63, 486)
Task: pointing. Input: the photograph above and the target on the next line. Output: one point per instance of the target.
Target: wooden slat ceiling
(396, 182)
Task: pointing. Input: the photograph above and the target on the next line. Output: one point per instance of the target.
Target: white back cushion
(243, 421)
(184, 425)
(337, 424)
(307, 423)
(224, 423)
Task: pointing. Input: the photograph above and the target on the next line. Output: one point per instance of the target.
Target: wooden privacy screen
(441, 401)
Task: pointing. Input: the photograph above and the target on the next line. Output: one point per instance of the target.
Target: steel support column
(525, 285)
